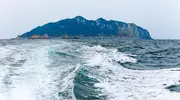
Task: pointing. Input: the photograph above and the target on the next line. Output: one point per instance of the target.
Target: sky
(160, 17)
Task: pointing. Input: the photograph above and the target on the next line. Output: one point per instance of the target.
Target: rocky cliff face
(80, 26)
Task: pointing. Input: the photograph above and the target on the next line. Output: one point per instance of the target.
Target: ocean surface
(89, 69)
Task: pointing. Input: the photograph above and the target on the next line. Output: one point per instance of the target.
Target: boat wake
(66, 70)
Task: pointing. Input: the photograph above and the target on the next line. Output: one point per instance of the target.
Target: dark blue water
(89, 69)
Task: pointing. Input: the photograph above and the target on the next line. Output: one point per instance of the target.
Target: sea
(89, 69)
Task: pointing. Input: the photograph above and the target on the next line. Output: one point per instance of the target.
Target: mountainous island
(80, 27)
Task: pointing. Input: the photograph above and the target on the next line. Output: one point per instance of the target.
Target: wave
(103, 78)
(65, 70)
(99, 67)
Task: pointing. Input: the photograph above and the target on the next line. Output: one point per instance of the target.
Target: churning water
(89, 69)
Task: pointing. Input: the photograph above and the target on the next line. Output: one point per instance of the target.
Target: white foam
(33, 80)
(125, 84)
(4, 51)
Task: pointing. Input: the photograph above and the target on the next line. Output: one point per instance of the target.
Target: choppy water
(89, 69)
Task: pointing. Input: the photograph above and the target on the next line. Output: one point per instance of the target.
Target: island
(79, 27)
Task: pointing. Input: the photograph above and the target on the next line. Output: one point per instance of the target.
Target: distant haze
(160, 17)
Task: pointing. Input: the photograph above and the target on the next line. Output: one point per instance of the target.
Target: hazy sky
(160, 17)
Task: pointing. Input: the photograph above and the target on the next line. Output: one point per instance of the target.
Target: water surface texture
(89, 69)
